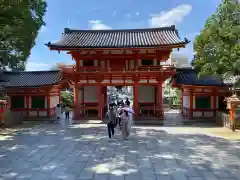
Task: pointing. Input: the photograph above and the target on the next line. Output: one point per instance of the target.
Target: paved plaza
(82, 151)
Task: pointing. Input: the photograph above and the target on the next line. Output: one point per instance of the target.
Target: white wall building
(178, 60)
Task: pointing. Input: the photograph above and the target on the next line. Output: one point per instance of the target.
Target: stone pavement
(82, 151)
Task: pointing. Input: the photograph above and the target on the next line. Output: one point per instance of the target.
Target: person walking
(111, 121)
(125, 118)
(119, 112)
(127, 102)
(130, 113)
(67, 112)
(58, 112)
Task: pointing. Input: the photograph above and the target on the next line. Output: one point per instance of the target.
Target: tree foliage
(20, 22)
(217, 47)
(67, 98)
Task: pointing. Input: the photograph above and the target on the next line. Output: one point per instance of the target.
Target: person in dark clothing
(127, 102)
(122, 103)
(67, 112)
(111, 121)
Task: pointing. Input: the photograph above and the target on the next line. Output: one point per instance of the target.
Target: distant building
(178, 60)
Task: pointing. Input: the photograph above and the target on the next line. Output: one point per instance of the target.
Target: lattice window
(88, 62)
(38, 102)
(203, 102)
(147, 62)
(17, 102)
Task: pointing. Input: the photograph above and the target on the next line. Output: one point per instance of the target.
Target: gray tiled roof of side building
(30, 78)
(188, 76)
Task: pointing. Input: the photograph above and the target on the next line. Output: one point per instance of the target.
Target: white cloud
(114, 13)
(128, 15)
(137, 13)
(171, 17)
(35, 66)
(98, 25)
(42, 29)
(68, 22)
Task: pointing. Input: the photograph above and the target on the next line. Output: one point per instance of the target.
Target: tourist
(125, 118)
(121, 102)
(127, 102)
(58, 111)
(67, 112)
(111, 121)
(119, 112)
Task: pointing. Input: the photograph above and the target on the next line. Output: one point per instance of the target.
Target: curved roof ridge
(68, 30)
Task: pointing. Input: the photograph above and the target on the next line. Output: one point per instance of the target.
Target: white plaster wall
(80, 95)
(146, 94)
(131, 64)
(208, 114)
(33, 113)
(185, 112)
(194, 102)
(90, 94)
(42, 113)
(54, 100)
(204, 114)
(186, 101)
(197, 114)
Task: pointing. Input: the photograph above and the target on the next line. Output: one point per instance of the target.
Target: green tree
(20, 22)
(217, 47)
(67, 98)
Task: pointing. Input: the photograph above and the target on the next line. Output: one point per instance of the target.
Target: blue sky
(189, 17)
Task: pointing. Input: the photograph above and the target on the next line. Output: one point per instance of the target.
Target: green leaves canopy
(20, 21)
(217, 47)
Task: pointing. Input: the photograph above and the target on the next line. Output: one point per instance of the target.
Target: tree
(20, 22)
(67, 98)
(217, 47)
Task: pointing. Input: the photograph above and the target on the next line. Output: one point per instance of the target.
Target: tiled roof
(188, 76)
(130, 38)
(30, 78)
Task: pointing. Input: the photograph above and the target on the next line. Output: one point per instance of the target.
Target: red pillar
(160, 100)
(76, 103)
(48, 105)
(191, 104)
(214, 103)
(82, 100)
(155, 100)
(182, 101)
(27, 104)
(100, 102)
(135, 100)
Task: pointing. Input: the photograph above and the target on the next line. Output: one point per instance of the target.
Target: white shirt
(58, 111)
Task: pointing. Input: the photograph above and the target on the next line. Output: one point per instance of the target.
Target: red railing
(51, 111)
(150, 111)
(94, 69)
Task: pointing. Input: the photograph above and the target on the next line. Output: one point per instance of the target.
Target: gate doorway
(119, 93)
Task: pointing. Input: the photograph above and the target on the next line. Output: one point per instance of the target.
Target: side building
(201, 97)
(32, 94)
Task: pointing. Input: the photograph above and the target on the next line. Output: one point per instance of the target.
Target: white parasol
(130, 110)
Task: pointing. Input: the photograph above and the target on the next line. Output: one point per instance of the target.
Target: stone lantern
(233, 104)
